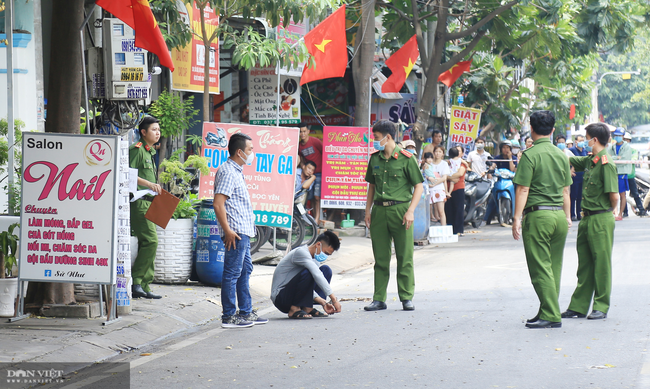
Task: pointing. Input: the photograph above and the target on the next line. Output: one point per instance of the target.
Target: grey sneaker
(235, 322)
(252, 317)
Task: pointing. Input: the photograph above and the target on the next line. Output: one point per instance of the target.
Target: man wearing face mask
(394, 190)
(560, 141)
(300, 280)
(576, 188)
(621, 151)
(478, 158)
(234, 212)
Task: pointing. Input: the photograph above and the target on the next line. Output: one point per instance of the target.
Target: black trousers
(576, 199)
(299, 291)
(455, 210)
(634, 192)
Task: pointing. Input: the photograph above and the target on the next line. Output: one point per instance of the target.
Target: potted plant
(174, 254)
(8, 284)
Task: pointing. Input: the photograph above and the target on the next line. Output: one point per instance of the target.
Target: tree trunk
(64, 97)
(363, 63)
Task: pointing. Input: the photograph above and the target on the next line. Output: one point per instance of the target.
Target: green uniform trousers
(544, 234)
(386, 226)
(594, 246)
(143, 268)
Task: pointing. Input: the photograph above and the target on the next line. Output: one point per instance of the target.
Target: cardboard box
(443, 239)
(440, 231)
(326, 224)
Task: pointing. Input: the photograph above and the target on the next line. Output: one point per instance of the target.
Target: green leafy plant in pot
(179, 176)
(8, 245)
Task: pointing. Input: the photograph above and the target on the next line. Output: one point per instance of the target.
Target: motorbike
(477, 193)
(504, 194)
(304, 229)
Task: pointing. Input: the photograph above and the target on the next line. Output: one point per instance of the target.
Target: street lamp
(594, 95)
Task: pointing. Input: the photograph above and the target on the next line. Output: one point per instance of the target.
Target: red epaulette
(596, 159)
(604, 160)
(147, 147)
(138, 145)
(405, 153)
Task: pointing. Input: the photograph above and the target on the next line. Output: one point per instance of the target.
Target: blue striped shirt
(229, 181)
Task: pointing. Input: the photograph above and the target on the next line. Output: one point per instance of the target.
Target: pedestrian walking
(596, 230)
(394, 190)
(543, 179)
(141, 157)
(234, 212)
(455, 206)
(301, 279)
(621, 151)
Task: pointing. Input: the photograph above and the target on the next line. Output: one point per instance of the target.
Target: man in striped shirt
(234, 212)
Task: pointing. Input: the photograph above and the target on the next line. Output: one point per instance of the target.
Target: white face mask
(480, 146)
(249, 158)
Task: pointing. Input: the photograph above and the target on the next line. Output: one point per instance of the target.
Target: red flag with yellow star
(450, 76)
(328, 45)
(401, 63)
(137, 15)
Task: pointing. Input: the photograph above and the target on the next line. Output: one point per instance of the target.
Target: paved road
(467, 331)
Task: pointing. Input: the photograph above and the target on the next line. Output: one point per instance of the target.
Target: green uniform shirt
(624, 154)
(395, 177)
(600, 179)
(142, 159)
(545, 170)
(635, 157)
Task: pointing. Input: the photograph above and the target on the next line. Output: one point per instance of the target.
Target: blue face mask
(588, 148)
(618, 139)
(410, 151)
(377, 144)
(561, 146)
(321, 257)
(582, 144)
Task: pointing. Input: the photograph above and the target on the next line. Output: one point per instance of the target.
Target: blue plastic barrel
(210, 250)
(422, 217)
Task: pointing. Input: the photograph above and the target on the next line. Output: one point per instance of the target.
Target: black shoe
(643, 213)
(595, 315)
(138, 292)
(151, 295)
(544, 324)
(574, 219)
(569, 314)
(375, 306)
(533, 319)
(407, 305)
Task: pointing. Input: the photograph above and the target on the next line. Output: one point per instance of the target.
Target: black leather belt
(587, 212)
(541, 208)
(388, 203)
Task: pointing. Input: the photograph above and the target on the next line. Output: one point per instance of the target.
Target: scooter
(477, 193)
(504, 193)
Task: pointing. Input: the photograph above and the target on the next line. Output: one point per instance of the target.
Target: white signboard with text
(262, 97)
(69, 208)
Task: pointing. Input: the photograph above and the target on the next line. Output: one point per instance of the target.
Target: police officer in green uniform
(395, 189)
(596, 230)
(543, 180)
(141, 157)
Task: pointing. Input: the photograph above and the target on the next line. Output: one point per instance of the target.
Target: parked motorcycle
(504, 193)
(477, 194)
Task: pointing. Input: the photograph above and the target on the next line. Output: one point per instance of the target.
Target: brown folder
(162, 208)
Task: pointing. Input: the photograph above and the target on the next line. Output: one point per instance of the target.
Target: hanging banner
(463, 126)
(271, 177)
(262, 97)
(291, 34)
(69, 208)
(345, 161)
(394, 109)
(190, 60)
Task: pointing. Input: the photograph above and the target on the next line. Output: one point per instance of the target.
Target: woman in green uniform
(596, 230)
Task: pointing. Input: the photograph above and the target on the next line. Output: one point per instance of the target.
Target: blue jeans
(492, 208)
(237, 268)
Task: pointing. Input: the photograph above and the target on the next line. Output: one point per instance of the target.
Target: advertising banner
(291, 34)
(270, 178)
(345, 160)
(262, 97)
(394, 109)
(69, 208)
(463, 126)
(190, 60)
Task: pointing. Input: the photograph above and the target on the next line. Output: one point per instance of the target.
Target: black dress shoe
(533, 319)
(595, 315)
(137, 292)
(569, 314)
(375, 306)
(544, 324)
(408, 305)
(151, 295)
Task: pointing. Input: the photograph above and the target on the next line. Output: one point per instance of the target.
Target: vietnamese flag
(137, 15)
(328, 45)
(450, 76)
(401, 63)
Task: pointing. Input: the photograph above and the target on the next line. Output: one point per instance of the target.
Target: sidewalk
(182, 308)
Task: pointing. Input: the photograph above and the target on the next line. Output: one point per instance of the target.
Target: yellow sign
(463, 126)
(190, 60)
(132, 74)
(627, 76)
